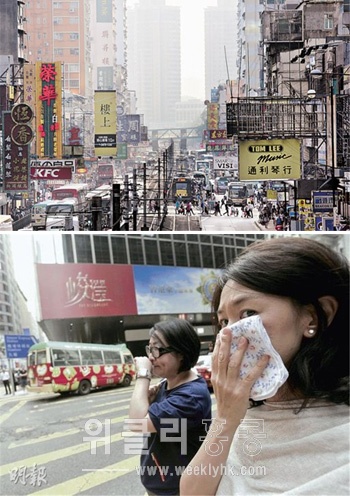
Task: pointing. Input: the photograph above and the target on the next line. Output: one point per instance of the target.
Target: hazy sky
(192, 44)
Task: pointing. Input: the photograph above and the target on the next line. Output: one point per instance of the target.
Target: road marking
(92, 479)
(53, 456)
(11, 411)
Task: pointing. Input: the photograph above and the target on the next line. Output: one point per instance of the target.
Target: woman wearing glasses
(173, 414)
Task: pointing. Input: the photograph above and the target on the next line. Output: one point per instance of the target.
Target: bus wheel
(84, 387)
(127, 380)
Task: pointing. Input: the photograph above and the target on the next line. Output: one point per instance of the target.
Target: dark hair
(303, 270)
(180, 335)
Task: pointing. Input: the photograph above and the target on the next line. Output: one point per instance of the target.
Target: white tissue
(275, 373)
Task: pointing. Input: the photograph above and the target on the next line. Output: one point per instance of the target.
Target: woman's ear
(330, 307)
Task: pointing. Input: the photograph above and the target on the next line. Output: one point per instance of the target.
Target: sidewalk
(23, 395)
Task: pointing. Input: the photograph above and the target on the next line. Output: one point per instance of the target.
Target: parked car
(203, 368)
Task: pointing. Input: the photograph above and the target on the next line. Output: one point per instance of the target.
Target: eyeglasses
(157, 351)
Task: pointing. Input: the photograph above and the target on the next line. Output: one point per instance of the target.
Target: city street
(48, 445)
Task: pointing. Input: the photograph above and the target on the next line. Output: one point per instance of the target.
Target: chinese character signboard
(105, 123)
(86, 290)
(213, 115)
(269, 159)
(129, 129)
(49, 109)
(29, 88)
(104, 17)
(323, 201)
(16, 138)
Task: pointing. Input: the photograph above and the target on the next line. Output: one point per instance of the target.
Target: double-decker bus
(182, 186)
(63, 367)
(72, 190)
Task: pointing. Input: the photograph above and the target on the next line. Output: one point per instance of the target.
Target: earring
(311, 332)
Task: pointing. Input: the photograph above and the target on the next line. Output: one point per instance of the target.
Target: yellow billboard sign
(105, 123)
(267, 160)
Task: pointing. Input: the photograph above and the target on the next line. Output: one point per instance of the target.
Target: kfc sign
(50, 173)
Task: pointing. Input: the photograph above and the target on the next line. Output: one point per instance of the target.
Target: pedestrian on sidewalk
(5, 377)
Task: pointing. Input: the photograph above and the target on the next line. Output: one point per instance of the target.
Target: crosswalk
(49, 447)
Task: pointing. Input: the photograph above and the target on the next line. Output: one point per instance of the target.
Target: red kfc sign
(50, 173)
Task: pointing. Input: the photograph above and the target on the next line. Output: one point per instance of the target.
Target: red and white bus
(72, 190)
(63, 367)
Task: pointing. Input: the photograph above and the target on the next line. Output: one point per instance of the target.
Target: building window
(328, 21)
(180, 254)
(207, 256)
(194, 258)
(83, 248)
(119, 250)
(101, 249)
(166, 253)
(136, 252)
(151, 252)
(219, 257)
(68, 248)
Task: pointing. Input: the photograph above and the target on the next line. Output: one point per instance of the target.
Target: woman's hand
(143, 363)
(231, 391)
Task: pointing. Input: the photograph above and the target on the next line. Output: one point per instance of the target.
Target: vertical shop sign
(105, 123)
(49, 109)
(16, 156)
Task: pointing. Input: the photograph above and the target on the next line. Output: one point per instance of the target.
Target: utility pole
(158, 187)
(96, 213)
(134, 200)
(127, 202)
(116, 207)
(144, 228)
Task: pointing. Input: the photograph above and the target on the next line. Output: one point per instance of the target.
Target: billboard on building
(104, 290)
(48, 78)
(105, 123)
(268, 160)
(172, 290)
(85, 290)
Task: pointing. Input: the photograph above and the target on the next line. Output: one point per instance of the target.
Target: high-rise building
(250, 51)
(59, 32)
(10, 320)
(154, 61)
(220, 44)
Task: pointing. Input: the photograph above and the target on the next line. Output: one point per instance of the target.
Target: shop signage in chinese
(217, 134)
(129, 129)
(216, 147)
(269, 159)
(105, 123)
(16, 157)
(49, 109)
